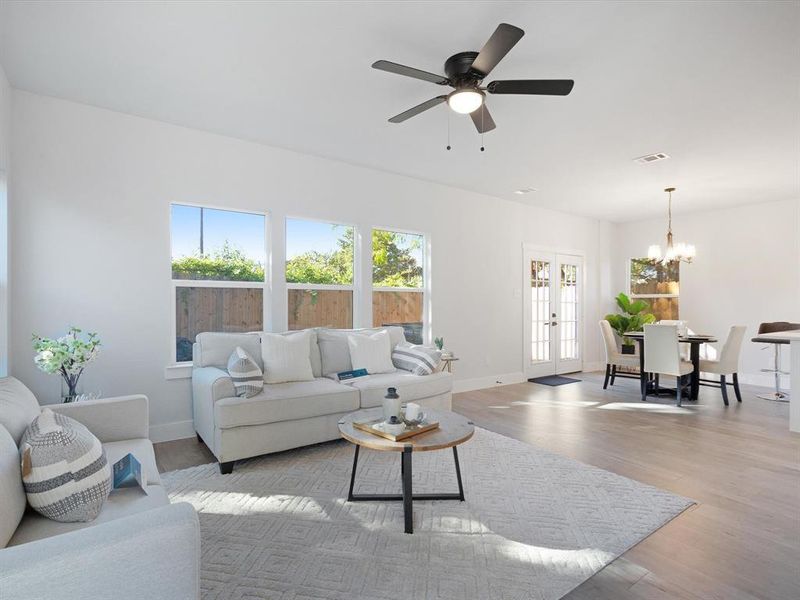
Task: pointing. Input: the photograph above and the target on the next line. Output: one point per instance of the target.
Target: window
(398, 281)
(218, 259)
(319, 274)
(658, 284)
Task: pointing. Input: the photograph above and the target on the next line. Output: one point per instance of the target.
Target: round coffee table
(453, 430)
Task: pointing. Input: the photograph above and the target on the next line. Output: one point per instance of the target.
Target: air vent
(649, 158)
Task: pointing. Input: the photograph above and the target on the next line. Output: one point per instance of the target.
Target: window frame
(353, 287)
(424, 290)
(266, 305)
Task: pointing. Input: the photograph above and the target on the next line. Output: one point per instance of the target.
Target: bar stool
(774, 327)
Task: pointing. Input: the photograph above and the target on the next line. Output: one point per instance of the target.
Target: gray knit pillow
(64, 468)
(417, 359)
(247, 376)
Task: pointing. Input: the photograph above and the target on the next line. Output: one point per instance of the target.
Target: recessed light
(526, 190)
(648, 158)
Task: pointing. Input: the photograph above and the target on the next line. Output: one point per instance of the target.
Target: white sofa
(140, 546)
(290, 415)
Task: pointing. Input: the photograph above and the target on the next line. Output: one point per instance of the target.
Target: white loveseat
(140, 546)
(290, 415)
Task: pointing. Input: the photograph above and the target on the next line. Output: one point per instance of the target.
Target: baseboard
(589, 367)
(480, 383)
(171, 431)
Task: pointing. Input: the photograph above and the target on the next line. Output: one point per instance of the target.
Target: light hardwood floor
(740, 464)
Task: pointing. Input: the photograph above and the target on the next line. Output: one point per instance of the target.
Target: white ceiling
(716, 85)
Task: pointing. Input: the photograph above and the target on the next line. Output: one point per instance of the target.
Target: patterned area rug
(534, 524)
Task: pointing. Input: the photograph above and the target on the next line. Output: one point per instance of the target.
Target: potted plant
(67, 356)
(633, 318)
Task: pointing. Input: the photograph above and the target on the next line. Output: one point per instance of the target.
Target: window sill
(178, 371)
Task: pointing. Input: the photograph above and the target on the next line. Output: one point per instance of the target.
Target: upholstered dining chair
(614, 358)
(727, 364)
(662, 356)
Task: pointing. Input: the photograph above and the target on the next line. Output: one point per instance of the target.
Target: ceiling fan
(466, 72)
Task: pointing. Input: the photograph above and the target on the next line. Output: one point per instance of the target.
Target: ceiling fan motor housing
(458, 69)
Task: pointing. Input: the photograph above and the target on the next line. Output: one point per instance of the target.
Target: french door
(553, 309)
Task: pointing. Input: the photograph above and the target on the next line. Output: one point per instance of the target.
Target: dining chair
(615, 358)
(727, 364)
(683, 329)
(662, 356)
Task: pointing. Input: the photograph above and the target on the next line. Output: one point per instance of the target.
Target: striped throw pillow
(247, 376)
(417, 359)
(64, 468)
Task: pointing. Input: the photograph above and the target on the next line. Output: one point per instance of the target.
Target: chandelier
(675, 252)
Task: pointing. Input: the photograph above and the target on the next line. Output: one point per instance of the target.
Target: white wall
(747, 271)
(5, 164)
(91, 193)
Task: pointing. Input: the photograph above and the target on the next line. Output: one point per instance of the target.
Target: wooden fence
(199, 309)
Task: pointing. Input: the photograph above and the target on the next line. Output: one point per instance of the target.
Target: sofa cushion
(335, 352)
(142, 449)
(372, 352)
(12, 494)
(213, 349)
(286, 402)
(18, 407)
(120, 503)
(286, 357)
(372, 388)
(64, 468)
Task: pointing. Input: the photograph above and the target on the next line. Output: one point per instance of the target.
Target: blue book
(344, 375)
(127, 472)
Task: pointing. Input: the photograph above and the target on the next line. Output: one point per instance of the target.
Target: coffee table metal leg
(458, 475)
(353, 475)
(408, 496)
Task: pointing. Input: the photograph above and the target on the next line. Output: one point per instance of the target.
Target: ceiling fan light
(465, 101)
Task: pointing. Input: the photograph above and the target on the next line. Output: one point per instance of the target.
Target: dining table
(649, 385)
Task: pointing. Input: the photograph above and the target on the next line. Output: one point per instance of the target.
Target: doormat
(553, 380)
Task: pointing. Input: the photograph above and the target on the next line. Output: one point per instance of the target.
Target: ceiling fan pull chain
(483, 113)
(448, 130)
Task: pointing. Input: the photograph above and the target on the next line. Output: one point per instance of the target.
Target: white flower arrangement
(66, 356)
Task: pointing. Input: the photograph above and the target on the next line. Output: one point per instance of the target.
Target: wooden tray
(395, 437)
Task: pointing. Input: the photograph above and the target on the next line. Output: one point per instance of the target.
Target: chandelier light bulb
(465, 101)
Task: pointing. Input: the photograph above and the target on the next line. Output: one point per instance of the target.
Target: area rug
(553, 380)
(534, 525)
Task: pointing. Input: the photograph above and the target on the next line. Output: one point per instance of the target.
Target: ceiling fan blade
(413, 112)
(385, 65)
(544, 87)
(482, 119)
(496, 47)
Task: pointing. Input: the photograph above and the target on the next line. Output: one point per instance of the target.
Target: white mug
(412, 411)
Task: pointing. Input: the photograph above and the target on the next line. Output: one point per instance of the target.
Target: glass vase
(70, 394)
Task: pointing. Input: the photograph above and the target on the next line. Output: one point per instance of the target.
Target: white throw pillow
(286, 357)
(371, 352)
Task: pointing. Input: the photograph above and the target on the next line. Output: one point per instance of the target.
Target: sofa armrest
(110, 419)
(211, 384)
(153, 554)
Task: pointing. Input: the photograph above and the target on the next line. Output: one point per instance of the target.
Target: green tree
(330, 268)
(393, 261)
(224, 264)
